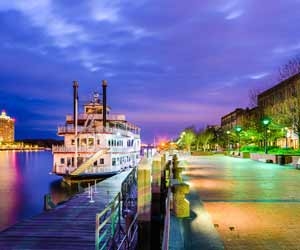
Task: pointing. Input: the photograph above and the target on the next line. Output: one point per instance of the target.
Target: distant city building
(7, 128)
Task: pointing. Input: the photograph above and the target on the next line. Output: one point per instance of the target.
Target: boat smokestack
(75, 102)
(104, 85)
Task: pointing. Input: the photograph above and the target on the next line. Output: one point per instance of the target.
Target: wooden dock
(68, 226)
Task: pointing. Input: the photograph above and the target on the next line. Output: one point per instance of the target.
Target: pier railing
(108, 225)
(116, 225)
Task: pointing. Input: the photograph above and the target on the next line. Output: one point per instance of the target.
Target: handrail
(107, 218)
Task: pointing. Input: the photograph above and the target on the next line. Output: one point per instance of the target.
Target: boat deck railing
(115, 117)
(71, 130)
(80, 149)
(92, 149)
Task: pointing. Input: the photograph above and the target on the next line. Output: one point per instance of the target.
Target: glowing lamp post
(286, 136)
(228, 133)
(238, 130)
(265, 123)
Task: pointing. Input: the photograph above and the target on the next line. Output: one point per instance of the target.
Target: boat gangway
(86, 221)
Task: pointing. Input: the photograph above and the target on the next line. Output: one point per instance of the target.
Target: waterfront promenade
(241, 204)
(69, 226)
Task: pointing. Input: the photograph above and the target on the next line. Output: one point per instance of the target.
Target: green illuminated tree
(187, 138)
(287, 114)
(203, 139)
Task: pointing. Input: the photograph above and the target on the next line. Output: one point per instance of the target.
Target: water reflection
(60, 191)
(9, 185)
(24, 180)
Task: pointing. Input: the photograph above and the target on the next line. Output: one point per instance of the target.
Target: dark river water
(24, 180)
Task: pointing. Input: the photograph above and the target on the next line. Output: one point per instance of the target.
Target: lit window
(91, 141)
(83, 142)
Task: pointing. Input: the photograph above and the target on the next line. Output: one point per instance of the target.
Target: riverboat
(96, 142)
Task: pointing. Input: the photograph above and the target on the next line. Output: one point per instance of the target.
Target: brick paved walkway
(252, 205)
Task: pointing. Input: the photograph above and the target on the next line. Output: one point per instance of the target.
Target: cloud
(287, 48)
(234, 14)
(228, 6)
(105, 10)
(258, 76)
(41, 14)
(160, 67)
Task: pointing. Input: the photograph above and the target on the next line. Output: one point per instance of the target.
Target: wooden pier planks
(69, 226)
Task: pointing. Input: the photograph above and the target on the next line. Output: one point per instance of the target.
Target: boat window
(91, 141)
(101, 161)
(95, 163)
(98, 142)
(114, 161)
(62, 160)
(83, 142)
(109, 143)
(72, 142)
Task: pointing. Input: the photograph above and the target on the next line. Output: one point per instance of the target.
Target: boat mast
(75, 118)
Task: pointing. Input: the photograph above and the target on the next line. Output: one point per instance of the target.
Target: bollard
(156, 173)
(175, 161)
(168, 173)
(177, 173)
(181, 205)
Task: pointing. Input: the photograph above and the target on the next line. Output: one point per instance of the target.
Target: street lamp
(266, 121)
(228, 145)
(238, 130)
(286, 136)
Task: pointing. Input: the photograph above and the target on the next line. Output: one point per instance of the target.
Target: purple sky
(169, 64)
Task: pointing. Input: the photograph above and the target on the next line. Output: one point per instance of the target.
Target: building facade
(282, 102)
(279, 94)
(7, 128)
(238, 117)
